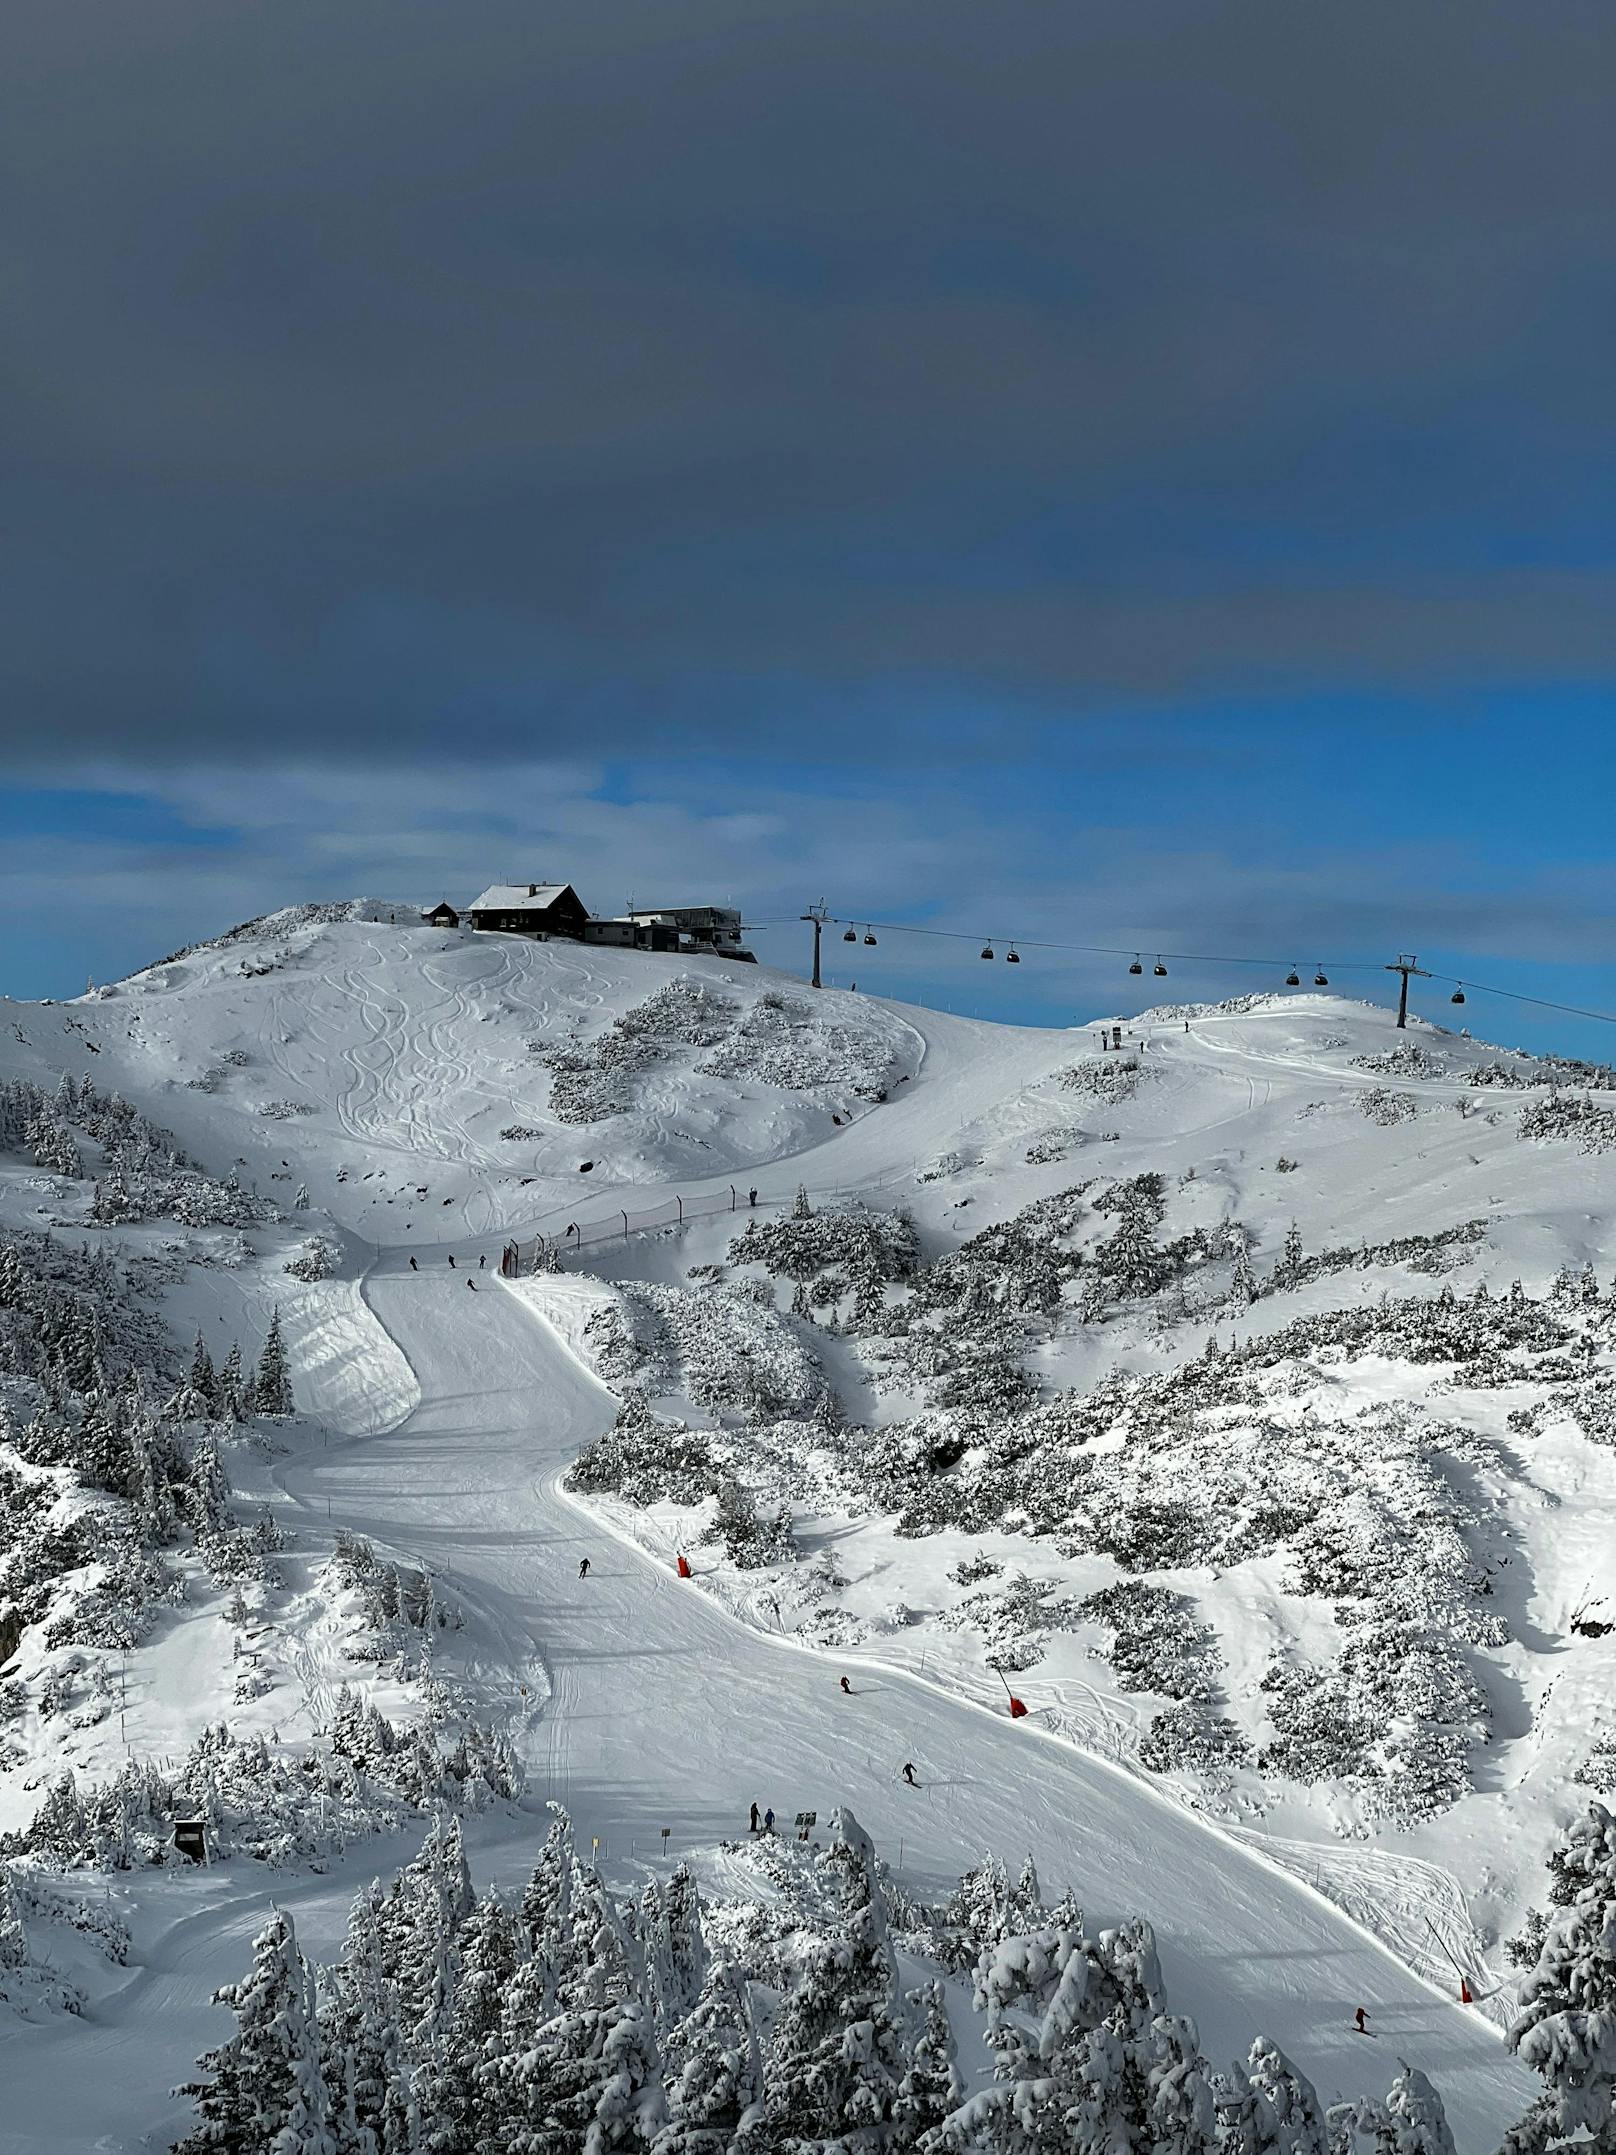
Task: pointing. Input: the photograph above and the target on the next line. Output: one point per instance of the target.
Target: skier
(909, 1773)
(414, 1267)
(472, 1284)
(751, 1198)
(1360, 2019)
(481, 1260)
(583, 1569)
(754, 1817)
(847, 1687)
(768, 1821)
(451, 1261)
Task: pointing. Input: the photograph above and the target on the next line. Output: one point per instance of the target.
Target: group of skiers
(482, 1266)
(762, 1822)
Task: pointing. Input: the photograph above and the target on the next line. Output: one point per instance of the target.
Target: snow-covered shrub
(1569, 1115)
(749, 1538)
(1055, 1146)
(1379, 1104)
(647, 1460)
(972, 1570)
(1190, 1737)
(731, 1352)
(786, 1041)
(1598, 1769)
(1408, 1059)
(1015, 1619)
(317, 1259)
(284, 1110)
(865, 1244)
(1156, 1643)
(1107, 1078)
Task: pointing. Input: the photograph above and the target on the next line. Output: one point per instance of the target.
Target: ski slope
(637, 1700)
(649, 1707)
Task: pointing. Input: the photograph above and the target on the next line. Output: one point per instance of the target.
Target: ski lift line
(1539, 1002)
(1090, 950)
(1201, 957)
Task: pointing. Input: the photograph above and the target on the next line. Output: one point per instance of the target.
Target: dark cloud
(388, 374)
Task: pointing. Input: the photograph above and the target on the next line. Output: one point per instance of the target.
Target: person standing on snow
(583, 1569)
(768, 1821)
(754, 1826)
(751, 1198)
(414, 1267)
(481, 1260)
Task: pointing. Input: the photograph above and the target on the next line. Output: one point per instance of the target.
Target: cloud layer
(387, 377)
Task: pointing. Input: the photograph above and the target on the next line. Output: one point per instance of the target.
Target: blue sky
(1107, 475)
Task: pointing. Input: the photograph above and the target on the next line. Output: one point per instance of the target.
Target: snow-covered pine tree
(580, 2080)
(1414, 2120)
(835, 2055)
(367, 2064)
(265, 2094)
(1290, 2095)
(53, 1148)
(272, 1384)
(801, 1209)
(13, 1931)
(1566, 2029)
(716, 2073)
(204, 1379)
(148, 1482)
(1081, 2084)
(423, 1922)
(300, 1203)
(1178, 2089)
(931, 2087)
(453, 2093)
(631, 2107)
(1246, 2120)
(546, 1904)
(686, 1945)
(207, 1492)
(231, 1390)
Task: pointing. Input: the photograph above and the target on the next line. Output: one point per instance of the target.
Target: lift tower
(1409, 967)
(818, 915)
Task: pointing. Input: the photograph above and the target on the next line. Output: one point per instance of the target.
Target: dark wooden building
(536, 909)
(442, 915)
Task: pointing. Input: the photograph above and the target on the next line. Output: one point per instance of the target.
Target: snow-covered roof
(516, 897)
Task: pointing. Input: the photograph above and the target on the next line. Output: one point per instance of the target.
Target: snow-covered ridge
(965, 1411)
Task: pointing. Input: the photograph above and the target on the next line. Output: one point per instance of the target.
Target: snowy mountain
(1237, 1401)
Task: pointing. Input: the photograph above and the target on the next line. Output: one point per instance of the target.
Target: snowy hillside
(1238, 1401)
